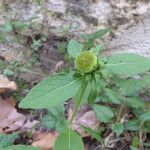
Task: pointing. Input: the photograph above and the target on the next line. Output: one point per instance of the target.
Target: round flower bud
(86, 62)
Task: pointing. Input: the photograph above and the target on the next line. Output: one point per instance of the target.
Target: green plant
(7, 140)
(113, 87)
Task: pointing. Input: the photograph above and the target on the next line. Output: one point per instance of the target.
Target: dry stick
(120, 112)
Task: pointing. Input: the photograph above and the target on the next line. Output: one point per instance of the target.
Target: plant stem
(120, 112)
(141, 136)
(83, 86)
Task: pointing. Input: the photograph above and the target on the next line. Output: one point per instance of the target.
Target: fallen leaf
(5, 84)
(11, 101)
(10, 119)
(45, 141)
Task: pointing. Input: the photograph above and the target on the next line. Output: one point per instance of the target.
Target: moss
(86, 62)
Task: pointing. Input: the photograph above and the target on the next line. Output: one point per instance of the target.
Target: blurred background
(34, 33)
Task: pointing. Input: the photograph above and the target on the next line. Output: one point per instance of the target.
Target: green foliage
(55, 119)
(135, 103)
(69, 140)
(113, 87)
(74, 48)
(145, 116)
(118, 128)
(97, 49)
(51, 91)
(133, 125)
(104, 113)
(7, 140)
(98, 34)
(21, 147)
(131, 86)
(113, 96)
(128, 64)
(93, 133)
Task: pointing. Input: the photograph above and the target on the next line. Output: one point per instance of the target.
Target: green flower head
(86, 62)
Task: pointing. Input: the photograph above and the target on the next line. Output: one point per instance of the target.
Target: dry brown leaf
(45, 141)
(10, 119)
(11, 101)
(87, 119)
(6, 84)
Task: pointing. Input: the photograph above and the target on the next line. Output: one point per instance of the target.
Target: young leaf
(93, 133)
(113, 96)
(133, 125)
(103, 113)
(19, 25)
(135, 142)
(51, 91)
(97, 49)
(69, 140)
(135, 103)
(118, 128)
(74, 48)
(55, 119)
(98, 34)
(21, 147)
(129, 87)
(145, 116)
(128, 64)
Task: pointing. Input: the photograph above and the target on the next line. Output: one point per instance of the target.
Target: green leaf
(51, 91)
(7, 139)
(103, 113)
(98, 34)
(93, 133)
(133, 125)
(2, 65)
(135, 102)
(55, 119)
(145, 116)
(21, 147)
(146, 81)
(147, 126)
(118, 128)
(113, 96)
(130, 87)
(97, 49)
(49, 121)
(7, 27)
(135, 142)
(19, 25)
(69, 140)
(74, 48)
(8, 72)
(128, 64)
(133, 148)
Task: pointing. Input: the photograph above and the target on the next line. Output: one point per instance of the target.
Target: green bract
(86, 62)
